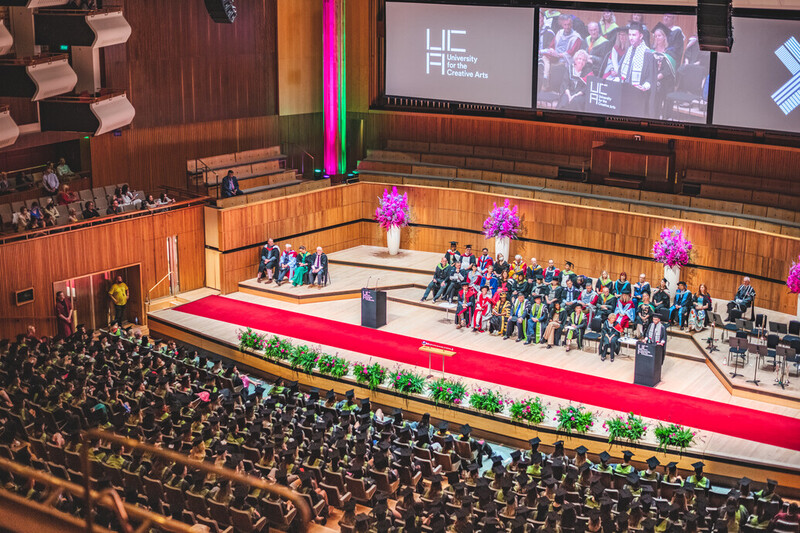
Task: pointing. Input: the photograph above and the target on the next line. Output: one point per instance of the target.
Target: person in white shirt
(50, 181)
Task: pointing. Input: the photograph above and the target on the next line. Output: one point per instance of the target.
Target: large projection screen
(460, 53)
(639, 65)
(758, 83)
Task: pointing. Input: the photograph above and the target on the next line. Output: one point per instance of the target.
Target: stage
(756, 430)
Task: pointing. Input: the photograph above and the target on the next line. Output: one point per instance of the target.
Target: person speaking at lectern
(657, 334)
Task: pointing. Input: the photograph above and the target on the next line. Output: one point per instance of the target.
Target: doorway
(90, 300)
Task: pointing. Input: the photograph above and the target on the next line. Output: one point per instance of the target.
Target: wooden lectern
(431, 349)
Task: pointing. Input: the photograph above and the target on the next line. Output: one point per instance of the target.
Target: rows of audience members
(597, 48)
(38, 217)
(174, 398)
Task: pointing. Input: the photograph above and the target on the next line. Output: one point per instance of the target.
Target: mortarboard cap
(534, 441)
(698, 465)
(582, 450)
(633, 478)
(653, 463)
(350, 394)
(515, 455)
(627, 454)
(465, 429)
(453, 243)
(745, 481)
(605, 456)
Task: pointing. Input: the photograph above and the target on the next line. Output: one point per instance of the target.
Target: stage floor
(689, 375)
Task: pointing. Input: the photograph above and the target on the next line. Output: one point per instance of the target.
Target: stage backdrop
(593, 238)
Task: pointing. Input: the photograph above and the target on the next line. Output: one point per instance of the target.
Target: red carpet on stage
(697, 413)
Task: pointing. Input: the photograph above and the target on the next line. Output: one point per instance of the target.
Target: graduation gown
(534, 330)
(500, 317)
(576, 325)
(482, 312)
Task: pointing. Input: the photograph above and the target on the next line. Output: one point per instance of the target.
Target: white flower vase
(798, 306)
(501, 245)
(393, 239)
(673, 276)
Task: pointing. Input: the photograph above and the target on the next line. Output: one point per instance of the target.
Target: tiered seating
(101, 196)
(783, 194)
(333, 453)
(496, 171)
(257, 170)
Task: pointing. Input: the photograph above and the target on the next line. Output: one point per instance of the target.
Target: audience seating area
(344, 457)
(525, 173)
(101, 196)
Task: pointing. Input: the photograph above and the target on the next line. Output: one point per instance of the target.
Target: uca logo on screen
(787, 98)
(436, 56)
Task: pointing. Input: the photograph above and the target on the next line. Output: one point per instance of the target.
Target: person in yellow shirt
(119, 295)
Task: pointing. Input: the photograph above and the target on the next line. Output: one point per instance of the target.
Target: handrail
(293, 150)
(101, 220)
(156, 285)
(253, 482)
(107, 498)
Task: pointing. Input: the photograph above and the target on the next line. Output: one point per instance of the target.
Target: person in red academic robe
(625, 311)
(483, 309)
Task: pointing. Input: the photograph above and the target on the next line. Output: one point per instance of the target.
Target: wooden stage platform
(687, 370)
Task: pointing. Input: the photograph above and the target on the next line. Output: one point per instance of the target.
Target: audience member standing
(119, 295)
(64, 315)
(50, 181)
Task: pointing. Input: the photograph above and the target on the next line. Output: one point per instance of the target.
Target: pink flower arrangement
(672, 248)
(793, 281)
(503, 221)
(392, 209)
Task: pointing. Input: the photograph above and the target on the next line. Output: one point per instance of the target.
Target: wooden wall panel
(149, 157)
(42, 261)
(691, 153)
(581, 234)
(179, 66)
(299, 56)
(360, 21)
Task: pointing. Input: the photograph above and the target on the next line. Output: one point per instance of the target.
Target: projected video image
(623, 64)
(758, 83)
(460, 53)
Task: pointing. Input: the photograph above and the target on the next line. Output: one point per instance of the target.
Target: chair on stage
(594, 334)
(738, 349)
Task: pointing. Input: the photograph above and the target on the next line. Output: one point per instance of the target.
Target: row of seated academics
(323, 447)
(549, 305)
(295, 266)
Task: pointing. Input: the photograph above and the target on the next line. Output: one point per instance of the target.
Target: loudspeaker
(714, 25)
(222, 11)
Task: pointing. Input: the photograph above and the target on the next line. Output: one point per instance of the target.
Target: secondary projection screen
(623, 64)
(460, 53)
(758, 83)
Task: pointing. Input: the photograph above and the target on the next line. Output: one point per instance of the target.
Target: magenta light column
(334, 86)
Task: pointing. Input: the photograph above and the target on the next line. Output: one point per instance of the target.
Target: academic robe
(621, 287)
(679, 310)
(625, 312)
(268, 257)
(606, 303)
(466, 302)
(484, 262)
(609, 339)
(535, 329)
(453, 256)
(499, 319)
(550, 273)
(516, 318)
(660, 299)
(576, 326)
(482, 312)
(638, 290)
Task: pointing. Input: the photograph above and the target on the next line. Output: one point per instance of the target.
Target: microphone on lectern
(367, 285)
